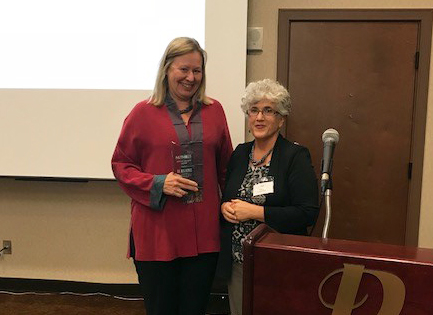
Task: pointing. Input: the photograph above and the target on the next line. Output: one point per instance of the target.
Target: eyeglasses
(267, 112)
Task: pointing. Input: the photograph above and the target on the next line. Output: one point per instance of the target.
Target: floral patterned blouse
(253, 176)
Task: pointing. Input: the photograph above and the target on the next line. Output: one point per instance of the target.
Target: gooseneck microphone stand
(326, 191)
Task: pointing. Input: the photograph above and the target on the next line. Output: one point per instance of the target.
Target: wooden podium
(288, 274)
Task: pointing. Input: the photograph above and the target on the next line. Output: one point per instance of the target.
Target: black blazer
(290, 209)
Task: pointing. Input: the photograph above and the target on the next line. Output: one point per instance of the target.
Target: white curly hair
(267, 89)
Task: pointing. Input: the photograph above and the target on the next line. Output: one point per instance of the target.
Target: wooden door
(360, 78)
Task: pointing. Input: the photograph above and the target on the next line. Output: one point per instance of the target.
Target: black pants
(178, 287)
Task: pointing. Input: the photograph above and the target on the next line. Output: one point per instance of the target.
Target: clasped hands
(176, 185)
(237, 210)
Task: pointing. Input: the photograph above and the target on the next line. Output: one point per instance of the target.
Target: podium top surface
(337, 247)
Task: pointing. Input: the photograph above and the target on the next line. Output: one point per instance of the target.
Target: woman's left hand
(246, 211)
(228, 212)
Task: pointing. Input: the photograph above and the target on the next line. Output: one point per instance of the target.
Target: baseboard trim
(56, 286)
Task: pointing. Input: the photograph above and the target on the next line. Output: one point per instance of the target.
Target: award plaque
(183, 164)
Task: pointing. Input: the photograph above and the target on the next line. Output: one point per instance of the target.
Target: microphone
(330, 138)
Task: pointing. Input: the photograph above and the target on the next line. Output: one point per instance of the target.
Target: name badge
(263, 188)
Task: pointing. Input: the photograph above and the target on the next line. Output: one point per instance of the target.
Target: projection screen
(72, 70)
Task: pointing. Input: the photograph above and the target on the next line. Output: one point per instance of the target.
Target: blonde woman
(170, 159)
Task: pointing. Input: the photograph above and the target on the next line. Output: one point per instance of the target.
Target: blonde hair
(178, 47)
(270, 90)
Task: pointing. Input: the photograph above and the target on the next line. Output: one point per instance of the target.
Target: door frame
(424, 20)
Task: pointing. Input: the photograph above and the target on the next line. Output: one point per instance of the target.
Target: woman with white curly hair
(269, 180)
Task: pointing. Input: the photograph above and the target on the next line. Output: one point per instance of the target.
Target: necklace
(256, 163)
(186, 110)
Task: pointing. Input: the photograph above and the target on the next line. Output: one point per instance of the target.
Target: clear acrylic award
(183, 164)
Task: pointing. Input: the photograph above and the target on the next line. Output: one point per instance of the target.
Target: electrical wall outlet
(7, 245)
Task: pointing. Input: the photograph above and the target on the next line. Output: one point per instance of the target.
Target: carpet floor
(74, 304)
(65, 304)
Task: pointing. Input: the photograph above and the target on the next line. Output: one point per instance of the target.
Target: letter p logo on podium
(345, 301)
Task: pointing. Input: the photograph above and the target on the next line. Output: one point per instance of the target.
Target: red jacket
(143, 151)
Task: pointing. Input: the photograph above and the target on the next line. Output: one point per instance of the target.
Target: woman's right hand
(176, 185)
(228, 212)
